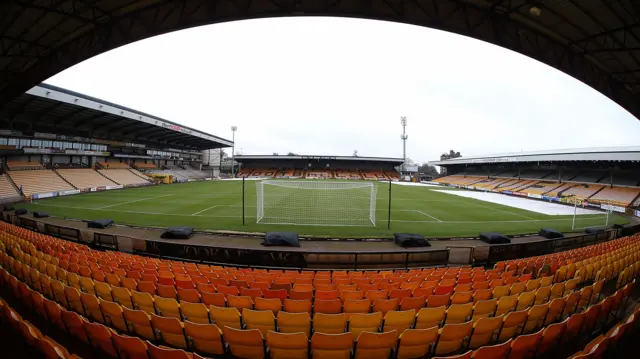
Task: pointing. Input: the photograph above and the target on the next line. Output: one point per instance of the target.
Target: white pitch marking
(204, 210)
(583, 218)
(428, 215)
(137, 200)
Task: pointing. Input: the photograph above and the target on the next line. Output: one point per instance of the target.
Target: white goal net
(316, 203)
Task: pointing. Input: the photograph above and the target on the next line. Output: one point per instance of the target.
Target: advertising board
(609, 207)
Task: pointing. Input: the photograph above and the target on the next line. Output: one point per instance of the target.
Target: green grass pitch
(217, 205)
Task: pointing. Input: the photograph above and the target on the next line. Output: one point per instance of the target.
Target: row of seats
(245, 334)
(606, 345)
(23, 165)
(99, 317)
(146, 166)
(85, 178)
(7, 190)
(113, 165)
(123, 176)
(38, 181)
(319, 173)
(124, 346)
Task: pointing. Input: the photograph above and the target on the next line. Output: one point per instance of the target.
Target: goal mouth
(316, 203)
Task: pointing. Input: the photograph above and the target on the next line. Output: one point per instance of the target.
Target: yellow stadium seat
(287, 345)
(225, 317)
(557, 291)
(513, 324)
(506, 304)
(331, 346)
(556, 306)
(399, 321)
(430, 317)
(526, 300)
(263, 320)
(500, 291)
(484, 309)
(535, 318)
(452, 337)
(204, 338)
(139, 323)
(73, 298)
(103, 291)
(485, 331)
(239, 302)
(294, 323)
(122, 296)
(375, 345)
(459, 313)
(542, 295)
(91, 306)
(247, 344)
(329, 323)
(57, 289)
(417, 343)
(100, 338)
(272, 304)
(169, 330)
(194, 312)
(143, 301)
(167, 307)
(130, 347)
(113, 316)
(359, 323)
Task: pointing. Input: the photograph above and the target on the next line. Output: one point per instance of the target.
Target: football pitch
(217, 205)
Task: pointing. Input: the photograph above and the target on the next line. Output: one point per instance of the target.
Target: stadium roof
(597, 42)
(242, 158)
(50, 109)
(615, 154)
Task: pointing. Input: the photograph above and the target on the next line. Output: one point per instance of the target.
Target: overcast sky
(329, 86)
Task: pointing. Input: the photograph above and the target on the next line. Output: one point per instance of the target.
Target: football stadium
(127, 235)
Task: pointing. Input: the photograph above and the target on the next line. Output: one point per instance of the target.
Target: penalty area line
(428, 215)
(135, 201)
(204, 210)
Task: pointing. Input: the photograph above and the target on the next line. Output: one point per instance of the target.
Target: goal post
(316, 203)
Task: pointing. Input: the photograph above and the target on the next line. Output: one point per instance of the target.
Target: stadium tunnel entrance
(571, 37)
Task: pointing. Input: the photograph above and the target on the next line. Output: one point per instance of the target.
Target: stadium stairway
(64, 179)
(139, 174)
(107, 177)
(13, 184)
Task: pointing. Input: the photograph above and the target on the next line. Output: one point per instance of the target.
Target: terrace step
(64, 179)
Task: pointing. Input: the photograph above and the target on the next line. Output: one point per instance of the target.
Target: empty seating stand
(123, 177)
(7, 190)
(145, 166)
(113, 165)
(23, 165)
(246, 312)
(85, 178)
(39, 181)
(618, 196)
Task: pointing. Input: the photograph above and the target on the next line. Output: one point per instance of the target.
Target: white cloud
(328, 86)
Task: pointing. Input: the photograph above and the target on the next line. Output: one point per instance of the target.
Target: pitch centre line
(137, 200)
(204, 210)
(428, 215)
